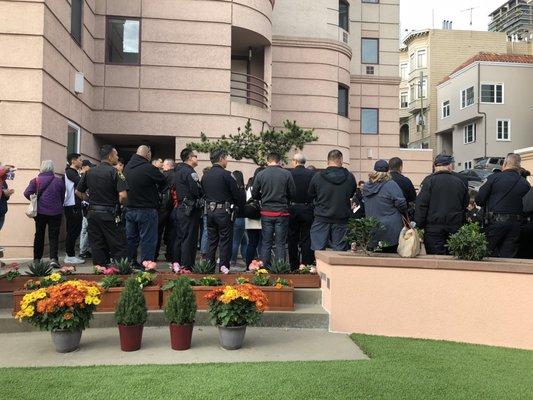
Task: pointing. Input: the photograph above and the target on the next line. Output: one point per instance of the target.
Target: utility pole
(471, 10)
(421, 92)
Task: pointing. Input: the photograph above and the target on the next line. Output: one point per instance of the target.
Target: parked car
(490, 164)
(476, 177)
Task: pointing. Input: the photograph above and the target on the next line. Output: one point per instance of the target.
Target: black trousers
(54, 225)
(165, 233)
(74, 220)
(219, 235)
(526, 238)
(299, 236)
(107, 238)
(504, 238)
(187, 228)
(436, 236)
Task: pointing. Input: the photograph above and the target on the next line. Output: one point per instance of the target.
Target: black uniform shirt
(104, 183)
(220, 187)
(503, 193)
(187, 183)
(302, 178)
(406, 185)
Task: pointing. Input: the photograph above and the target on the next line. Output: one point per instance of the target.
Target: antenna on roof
(471, 10)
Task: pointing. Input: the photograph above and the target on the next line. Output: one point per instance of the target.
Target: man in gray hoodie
(274, 186)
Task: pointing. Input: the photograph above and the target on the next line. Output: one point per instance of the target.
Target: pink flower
(67, 269)
(224, 270)
(313, 270)
(11, 267)
(255, 265)
(98, 269)
(185, 271)
(149, 265)
(110, 271)
(175, 267)
(302, 267)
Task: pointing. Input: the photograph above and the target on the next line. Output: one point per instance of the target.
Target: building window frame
(344, 18)
(404, 71)
(373, 131)
(495, 95)
(76, 36)
(115, 17)
(469, 133)
(77, 135)
(345, 111)
(404, 104)
(445, 109)
(376, 40)
(501, 134)
(370, 1)
(419, 53)
(464, 98)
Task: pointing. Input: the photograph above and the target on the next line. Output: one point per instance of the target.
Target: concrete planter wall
(431, 297)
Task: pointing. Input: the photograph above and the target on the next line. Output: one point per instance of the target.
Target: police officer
(108, 190)
(301, 215)
(189, 210)
(222, 196)
(441, 205)
(501, 196)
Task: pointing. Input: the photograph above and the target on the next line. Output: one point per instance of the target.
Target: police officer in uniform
(189, 210)
(502, 196)
(441, 205)
(301, 215)
(108, 190)
(222, 196)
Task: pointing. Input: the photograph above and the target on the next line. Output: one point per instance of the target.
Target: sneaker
(87, 254)
(54, 264)
(1, 249)
(73, 260)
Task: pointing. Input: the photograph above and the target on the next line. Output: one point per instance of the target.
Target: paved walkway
(101, 347)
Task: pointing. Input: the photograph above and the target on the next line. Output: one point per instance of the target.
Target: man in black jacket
(189, 210)
(409, 192)
(301, 218)
(73, 209)
(441, 205)
(502, 197)
(165, 228)
(145, 182)
(332, 191)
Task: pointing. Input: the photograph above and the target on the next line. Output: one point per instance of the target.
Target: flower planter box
(13, 285)
(91, 277)
(109, 299)
(298, 281)
(278, 299)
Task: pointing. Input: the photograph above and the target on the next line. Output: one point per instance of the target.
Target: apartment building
(76, 74)
(426, 58)
(484, 108)
(515, 18)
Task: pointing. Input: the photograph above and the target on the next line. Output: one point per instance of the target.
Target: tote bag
(409, 243)
(31, 211)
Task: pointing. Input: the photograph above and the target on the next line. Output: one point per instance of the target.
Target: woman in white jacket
(253, 228)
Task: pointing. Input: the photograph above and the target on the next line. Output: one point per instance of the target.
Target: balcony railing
(251, 89)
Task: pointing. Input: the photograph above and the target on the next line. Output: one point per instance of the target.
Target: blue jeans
(239, 240)
(2, 220)
(324, 234)
(273, 229)
(141, 227)
(254, 245)
(204, 243)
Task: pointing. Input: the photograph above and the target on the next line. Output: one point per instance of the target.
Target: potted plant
(180, 312)
(130, 315)
(232, 308)
(361, 233)
(64, 309)
(469, 243)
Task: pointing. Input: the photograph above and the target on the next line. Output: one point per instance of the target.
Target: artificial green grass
(398, 369)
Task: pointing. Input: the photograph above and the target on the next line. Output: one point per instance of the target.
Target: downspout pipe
(479, 109)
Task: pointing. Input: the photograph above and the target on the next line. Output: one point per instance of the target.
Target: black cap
(442, 160)
(381, 166)
(87, 163)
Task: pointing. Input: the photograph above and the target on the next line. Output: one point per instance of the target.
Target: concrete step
(309, 316)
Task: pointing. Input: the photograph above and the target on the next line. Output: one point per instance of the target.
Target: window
(467, 97)
(422, 58)
(446, 109)
(370, 51)
(369, 121)
(76, 21)
(404, 71)
(491, 93)
(468, 165)
(122, 42)
(503, 129)
(404, 99)
(370, 70)
(469, 133)
(412, 61)
(344, 15)
(73, 138)
(343, 101)
(414, 92)
(423, 89)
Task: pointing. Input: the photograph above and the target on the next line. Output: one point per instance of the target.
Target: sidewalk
(101, 347)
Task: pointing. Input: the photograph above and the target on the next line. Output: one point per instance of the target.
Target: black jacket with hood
(332, 190)
(145, 182)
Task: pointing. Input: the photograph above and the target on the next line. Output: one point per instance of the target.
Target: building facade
(76, 74)
(483, 109)
(515, 18)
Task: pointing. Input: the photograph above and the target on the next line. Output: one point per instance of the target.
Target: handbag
(409, 243)
(252, 209)
(31, 211)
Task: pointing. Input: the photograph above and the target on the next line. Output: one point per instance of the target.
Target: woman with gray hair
(50, 192)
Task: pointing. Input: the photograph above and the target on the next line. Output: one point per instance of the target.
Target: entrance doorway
(162, 146)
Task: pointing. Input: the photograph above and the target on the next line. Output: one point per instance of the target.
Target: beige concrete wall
(430, 298)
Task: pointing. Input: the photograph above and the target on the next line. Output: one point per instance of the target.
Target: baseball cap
(381, 166)
(443, 160)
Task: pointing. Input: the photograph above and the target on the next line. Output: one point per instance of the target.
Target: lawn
(398, 369)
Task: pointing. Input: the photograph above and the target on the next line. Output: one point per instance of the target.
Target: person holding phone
(7, 172)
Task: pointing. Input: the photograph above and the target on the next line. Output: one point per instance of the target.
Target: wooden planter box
(298, 281)
(16, 284)
(278, 299)
(109, 299)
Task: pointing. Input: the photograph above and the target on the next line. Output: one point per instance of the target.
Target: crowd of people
(116, 209)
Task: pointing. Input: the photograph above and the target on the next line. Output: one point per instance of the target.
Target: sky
(418, 14)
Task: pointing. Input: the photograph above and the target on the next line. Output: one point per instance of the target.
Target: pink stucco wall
(429, 300)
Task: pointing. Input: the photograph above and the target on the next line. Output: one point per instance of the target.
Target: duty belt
(497, 217)
(97, 208)
(212, 205)
(301, 204)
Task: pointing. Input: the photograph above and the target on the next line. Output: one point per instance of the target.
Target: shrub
(39, 268)
(181, 306)
(280, 267)
(362, 231)
(131, 307)
(469, 243)
(204, 267)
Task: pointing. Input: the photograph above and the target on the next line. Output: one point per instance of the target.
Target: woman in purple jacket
(50, 192)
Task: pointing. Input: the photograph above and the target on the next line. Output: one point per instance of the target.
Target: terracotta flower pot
(130, 337)
(181, 336)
